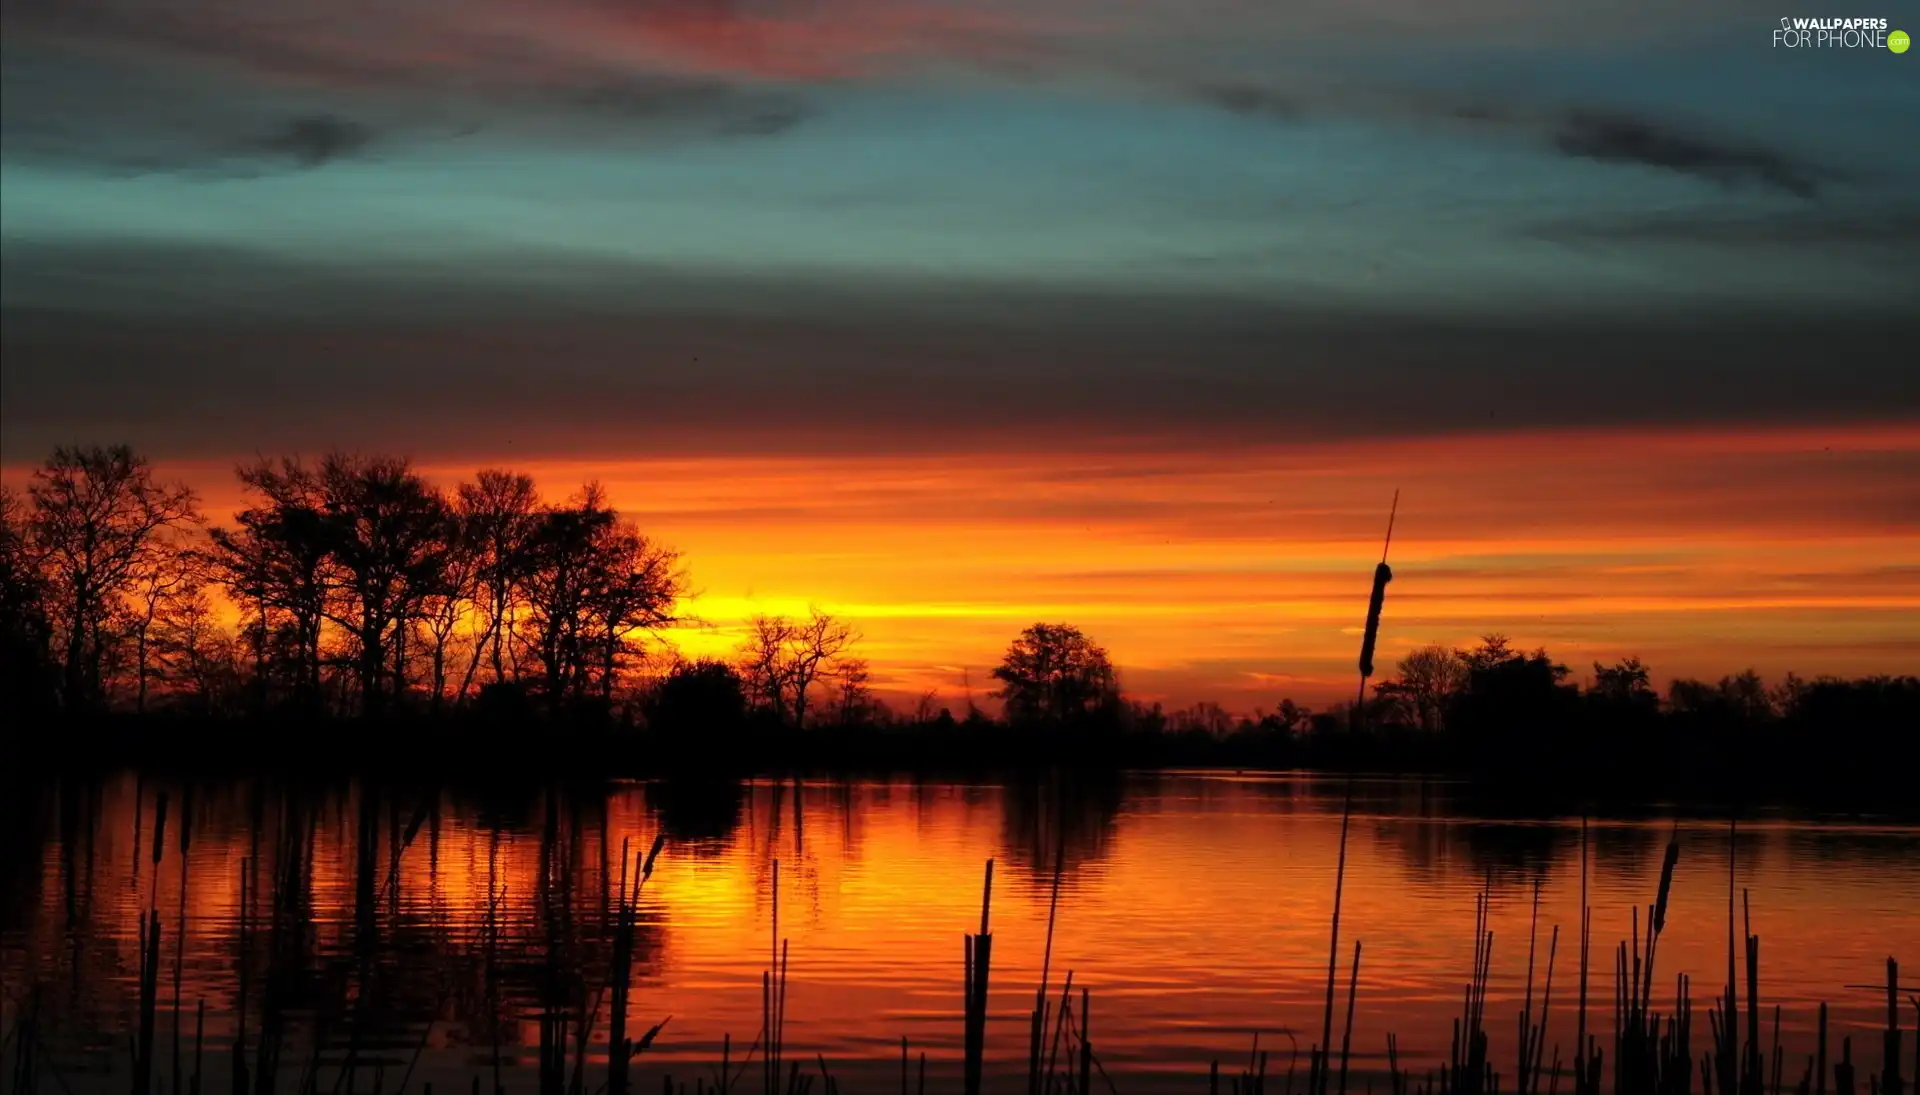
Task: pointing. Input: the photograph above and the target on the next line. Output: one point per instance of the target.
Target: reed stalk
(771, 986)
(199, 1043)
(180, 928)
(1891, 1082)
(1649, 1058)
(1086, 1043)
(238, 1080)
(1586, 1052)
(620, 1050)
(1346, 1038)
(149, 973)
(1319, 1056)
(23, 1036)
(1652, 1049)
(979, 966)
(1468, 1070)
(1037, 1028)
(1819, 1084)
(1061, 1019)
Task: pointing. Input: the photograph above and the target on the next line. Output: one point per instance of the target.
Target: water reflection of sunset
(1195, 909)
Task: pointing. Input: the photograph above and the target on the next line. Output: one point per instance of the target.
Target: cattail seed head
(1666, 884)
(659, 842)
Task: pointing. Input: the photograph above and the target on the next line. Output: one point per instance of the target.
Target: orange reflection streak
(1242, 575)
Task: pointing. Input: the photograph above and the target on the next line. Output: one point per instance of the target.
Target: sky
(955, 316)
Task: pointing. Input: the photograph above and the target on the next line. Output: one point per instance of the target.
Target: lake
(1195, 907)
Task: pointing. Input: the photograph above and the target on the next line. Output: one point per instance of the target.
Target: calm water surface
(1194, 906)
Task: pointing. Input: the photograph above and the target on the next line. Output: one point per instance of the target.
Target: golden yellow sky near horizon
(1242, 575)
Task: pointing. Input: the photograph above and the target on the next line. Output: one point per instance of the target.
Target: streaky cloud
(312, 140)
(1618, 138)
(1886, 231)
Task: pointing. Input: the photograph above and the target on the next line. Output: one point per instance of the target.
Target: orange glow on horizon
(1242, 575)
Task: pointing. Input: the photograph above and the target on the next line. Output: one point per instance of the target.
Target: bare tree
(818, 642)
(499, 513)
(445, 603)
(591, 583)
(557, 582)
(1205, 717)
(160, 581)
(98, 516)
(384, 527)
(1428, 680)
(636, 587)
(783, 659)
(764, 664)
(854, 697)
(278, 566)
(197, 656)
(28, 682)
(1293, 717)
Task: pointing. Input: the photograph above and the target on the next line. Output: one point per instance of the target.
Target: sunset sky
(953, 316)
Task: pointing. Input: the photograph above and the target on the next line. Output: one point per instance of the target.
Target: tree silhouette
(1206, 718)
(782, 659)
(705, 696)
(818, 642)
(199, 658)
(1623, 691)
(355, 576)
(161, 584)
(1511, 701)
(853, 698)
(445, 601)
(764, 665)
(1494, 650)
(1739, 701)
(1054, 675)
(591, 583)
(277, 566)
(637, 585)
(98, 518)
(384, 527)
(498, 513)
(27, 675)
(1428, 680)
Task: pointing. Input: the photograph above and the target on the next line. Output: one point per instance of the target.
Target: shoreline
(459, 754)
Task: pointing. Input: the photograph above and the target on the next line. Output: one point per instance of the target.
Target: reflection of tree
(1068, 813)
(1422, 844)
(505, 807)
(23, 839)
(1888, 847)
(1435, 849)
(1627, 852)
(367, 958)
(1515, 853)
(697, 813)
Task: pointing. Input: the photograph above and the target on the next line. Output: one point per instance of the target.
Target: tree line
(1491, 694)
(353, 587)
(1495, 709)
